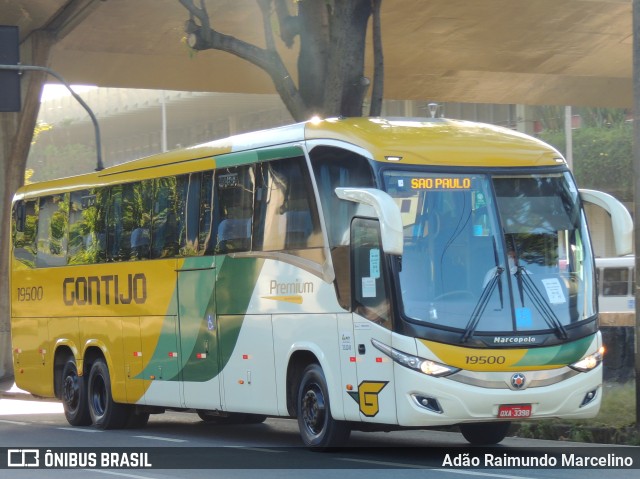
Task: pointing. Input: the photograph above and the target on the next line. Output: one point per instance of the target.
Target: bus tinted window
(189, 201)
(334, 167)
(52, 231)
(615, 281)
(26, 228)
(87, 226)
(285, 211)
(166, 218)
(205, 237)
(235, 189)
(138, 218)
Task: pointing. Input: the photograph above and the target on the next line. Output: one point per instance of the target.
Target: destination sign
(441, 183)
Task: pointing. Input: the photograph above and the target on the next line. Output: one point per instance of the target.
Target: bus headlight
(589, 362)
(425, 366)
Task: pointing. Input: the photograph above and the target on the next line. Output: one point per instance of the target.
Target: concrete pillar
(524, 119)
(16, 132)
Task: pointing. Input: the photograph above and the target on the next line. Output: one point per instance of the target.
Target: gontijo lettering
(108, 289)
(440, 183)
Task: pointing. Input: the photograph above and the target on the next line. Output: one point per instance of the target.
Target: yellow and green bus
(356, 274)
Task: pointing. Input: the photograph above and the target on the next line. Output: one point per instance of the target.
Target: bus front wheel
(74, 396)
(485, 433)
(105, 412)
(317, 428)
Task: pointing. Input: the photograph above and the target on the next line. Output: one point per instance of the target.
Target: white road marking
(452, 471)
(121, 474)
(258, 449)
(78, 429)
(19, 423)
(159, 438)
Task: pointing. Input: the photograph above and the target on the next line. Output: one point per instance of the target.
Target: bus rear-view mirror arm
(387, 212)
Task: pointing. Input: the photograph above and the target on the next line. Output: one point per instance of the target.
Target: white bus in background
(616, 284)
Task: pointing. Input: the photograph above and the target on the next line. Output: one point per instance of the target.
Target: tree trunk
(312, 61)
(332, 35)
(346, 86)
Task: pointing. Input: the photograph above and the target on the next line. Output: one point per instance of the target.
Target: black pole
(99, 164)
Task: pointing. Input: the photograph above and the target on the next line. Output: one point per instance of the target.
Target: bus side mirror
(387, 212)
(621, 221)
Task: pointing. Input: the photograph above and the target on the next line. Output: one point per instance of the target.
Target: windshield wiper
(526, 284)
(481, 305)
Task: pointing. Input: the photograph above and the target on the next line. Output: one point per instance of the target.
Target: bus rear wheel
(105, 412)
(74, 396)
(485, 433)
(318, 429)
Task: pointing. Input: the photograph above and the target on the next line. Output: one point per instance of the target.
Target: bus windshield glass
(487, 254)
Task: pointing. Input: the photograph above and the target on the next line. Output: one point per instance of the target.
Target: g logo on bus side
(367, 396)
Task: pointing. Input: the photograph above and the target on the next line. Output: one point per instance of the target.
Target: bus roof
(417, 141)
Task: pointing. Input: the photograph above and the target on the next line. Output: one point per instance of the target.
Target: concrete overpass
(569, 52)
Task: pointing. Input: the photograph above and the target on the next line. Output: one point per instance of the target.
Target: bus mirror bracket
(621, 221)
(387, 211)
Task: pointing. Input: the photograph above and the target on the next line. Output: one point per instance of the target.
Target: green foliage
(602, 157)
(615, 424)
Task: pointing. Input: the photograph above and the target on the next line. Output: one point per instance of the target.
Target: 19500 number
(35, 293)
(486, 359)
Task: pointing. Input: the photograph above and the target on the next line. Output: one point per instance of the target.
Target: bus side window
(334, 167)
(25, 214)
(370, 283)
(189, 201)
(286, 213)
(138, 218)
(166, 218)
(234, 190)
(52, 231)
(118, 245)
(207, 220)
(615, 281)
(80, 237)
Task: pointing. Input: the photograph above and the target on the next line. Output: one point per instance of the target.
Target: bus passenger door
(371, 323)
(198, 333)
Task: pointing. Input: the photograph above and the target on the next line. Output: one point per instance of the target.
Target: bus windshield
(488, 254)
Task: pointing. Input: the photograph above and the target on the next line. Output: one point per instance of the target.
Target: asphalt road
(179, 445)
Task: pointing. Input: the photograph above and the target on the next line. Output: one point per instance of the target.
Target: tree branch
(265, 7)
(289, 25)
(267, 59)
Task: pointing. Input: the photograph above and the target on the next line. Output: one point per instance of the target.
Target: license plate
(514, 411)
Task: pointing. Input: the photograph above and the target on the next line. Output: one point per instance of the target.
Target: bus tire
(105, 412)
(485, 433)
(318, 429)
(74, 395)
